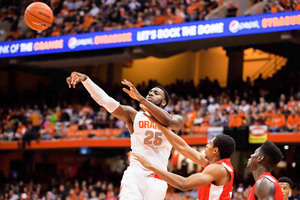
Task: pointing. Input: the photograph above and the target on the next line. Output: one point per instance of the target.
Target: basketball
(38, 16)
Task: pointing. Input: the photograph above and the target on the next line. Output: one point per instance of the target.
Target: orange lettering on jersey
(141, 124)
(152, 125)
(146, 125)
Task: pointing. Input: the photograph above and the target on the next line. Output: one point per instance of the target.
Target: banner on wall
(258, 134)
(213, 132)
(197, 30)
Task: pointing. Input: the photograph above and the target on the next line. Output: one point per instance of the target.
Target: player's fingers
(128, 82)
(73, 73)
(69, 81)
(77, 81)
(75, 77)
(74, 83)
(125, 90)
(125, 83)
(136, 156)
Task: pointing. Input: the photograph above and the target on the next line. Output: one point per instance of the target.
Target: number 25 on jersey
(153, 138)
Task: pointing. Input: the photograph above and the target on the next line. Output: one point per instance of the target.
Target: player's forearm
(177, 142)
(173, 179)
(181, 146)
(158, 113)
(100, 96)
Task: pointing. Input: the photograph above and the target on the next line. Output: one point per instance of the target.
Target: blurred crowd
(80, 16)
(281, 5)
(70, 190)
(99, 190)
(270, 102)
(200, 112)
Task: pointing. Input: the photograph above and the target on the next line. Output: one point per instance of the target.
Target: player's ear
(163, 103)
(260, 158)
(216, 149)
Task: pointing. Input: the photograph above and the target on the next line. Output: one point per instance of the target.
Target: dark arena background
(230, 67)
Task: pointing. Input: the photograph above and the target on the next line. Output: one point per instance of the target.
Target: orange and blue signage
(197, 30)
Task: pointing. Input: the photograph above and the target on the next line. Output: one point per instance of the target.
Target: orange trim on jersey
(156, 176)
(120, 190)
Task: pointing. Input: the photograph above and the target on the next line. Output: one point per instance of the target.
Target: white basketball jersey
(147, 140)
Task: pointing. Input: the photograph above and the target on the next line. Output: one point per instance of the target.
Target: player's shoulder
(264, 187)
(130, 111)
(265, 182)
(215, 169)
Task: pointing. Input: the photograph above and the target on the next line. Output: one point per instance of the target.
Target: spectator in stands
(47, 131)
(286, 111)
(31, 134)
(35, 120)
(277, 122)
(134, 5)
(293, 121)
(235, 120)
(216, 120)
(231, 9)
(291, 103)
(245, 107)
(296, 5)
(191, 116)
(213, 105)
(192, 10)
(277, 7)
(159, 18)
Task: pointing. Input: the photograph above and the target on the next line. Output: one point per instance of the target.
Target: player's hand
(133, 92)
(142, 160)
(75, 78)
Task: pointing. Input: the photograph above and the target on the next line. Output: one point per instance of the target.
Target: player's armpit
(265, 189)
(125, 113)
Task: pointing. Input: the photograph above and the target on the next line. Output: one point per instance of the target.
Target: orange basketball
(38, 16)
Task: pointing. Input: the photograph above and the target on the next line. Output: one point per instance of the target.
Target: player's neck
(259, 171)
(214, 159)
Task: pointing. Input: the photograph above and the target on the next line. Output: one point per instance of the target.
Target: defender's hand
(75, 78)
(133, 92)
(142, 160)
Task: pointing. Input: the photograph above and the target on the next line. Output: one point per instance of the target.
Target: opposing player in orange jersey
(261, 163)
(146, 138)
(215, 181)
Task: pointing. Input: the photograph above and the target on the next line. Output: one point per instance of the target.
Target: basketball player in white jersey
(139, 183)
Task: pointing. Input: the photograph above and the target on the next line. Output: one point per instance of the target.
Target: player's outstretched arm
(174, 122)
(265, 189)
(211, 173)
(180, 145)
(126, 113)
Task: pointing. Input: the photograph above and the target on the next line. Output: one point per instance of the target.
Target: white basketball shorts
(135, 185)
